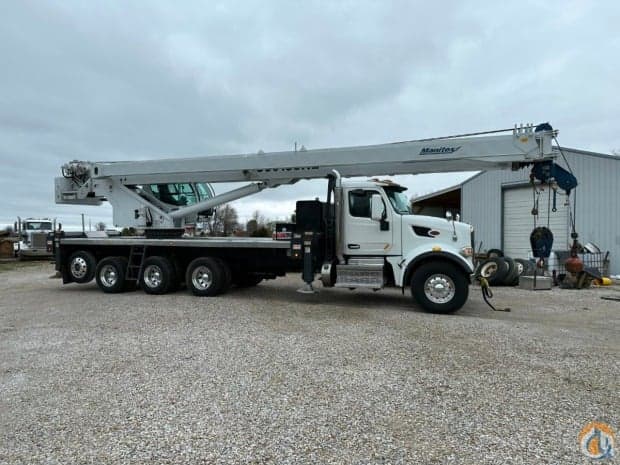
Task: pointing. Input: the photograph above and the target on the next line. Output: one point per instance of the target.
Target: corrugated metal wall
(598, 194)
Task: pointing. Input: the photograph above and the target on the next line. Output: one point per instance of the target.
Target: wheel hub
(108, 276)
(488, 270)
(152, 276)
(79, 267)
(439, 288)
(202, 278)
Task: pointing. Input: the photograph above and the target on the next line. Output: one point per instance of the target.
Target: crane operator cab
(172, 196)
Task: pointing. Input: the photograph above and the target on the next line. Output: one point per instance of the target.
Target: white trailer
(362, 235)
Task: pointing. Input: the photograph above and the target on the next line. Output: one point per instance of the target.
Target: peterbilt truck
(33, 238)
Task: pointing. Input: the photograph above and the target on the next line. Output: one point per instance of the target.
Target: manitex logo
(438, 150)
(597, 441)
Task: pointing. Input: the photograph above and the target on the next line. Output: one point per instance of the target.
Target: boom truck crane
(362, 236)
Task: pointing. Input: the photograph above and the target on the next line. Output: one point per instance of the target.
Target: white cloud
(123, 80)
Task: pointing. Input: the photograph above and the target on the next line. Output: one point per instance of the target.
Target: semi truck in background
(33, 238)
(362, 235)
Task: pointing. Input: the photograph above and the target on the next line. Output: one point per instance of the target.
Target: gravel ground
(267, 375)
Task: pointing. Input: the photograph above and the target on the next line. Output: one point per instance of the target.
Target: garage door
(519, 222)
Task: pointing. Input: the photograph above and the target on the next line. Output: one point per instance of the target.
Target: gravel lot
(267, 375)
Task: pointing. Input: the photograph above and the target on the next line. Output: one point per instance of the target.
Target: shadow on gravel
(386, 300)
(287, 295)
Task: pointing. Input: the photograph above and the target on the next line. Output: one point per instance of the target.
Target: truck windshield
(398, 199)
(39, 226)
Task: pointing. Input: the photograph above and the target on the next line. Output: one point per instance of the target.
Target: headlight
(467, 251)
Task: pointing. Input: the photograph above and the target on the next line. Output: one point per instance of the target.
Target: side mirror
(377, 209)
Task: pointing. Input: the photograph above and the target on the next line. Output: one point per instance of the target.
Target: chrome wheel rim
(79, 267)
(152, 276)
(439, 288)
(519, 266)
(488, 270)
(108, 275)
(202, 277)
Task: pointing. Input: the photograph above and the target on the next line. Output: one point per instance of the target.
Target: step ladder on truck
(363, 235)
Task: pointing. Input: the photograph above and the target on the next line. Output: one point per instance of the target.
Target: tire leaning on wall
(494, 270)
(512, 277)
(525, 267)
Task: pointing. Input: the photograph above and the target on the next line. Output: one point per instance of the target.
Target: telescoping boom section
(168, 193)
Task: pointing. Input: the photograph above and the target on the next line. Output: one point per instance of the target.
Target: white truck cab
(33, 237)
(380, 230)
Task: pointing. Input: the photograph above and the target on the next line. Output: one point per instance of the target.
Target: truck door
(362, 235)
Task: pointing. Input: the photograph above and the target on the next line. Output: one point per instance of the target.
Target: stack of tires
(503, 271)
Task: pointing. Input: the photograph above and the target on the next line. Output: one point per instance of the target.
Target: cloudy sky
(135, 80)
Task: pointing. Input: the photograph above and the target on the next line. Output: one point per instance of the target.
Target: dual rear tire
(82, 266)
(158, 276)
(208, 276)
(110, 275)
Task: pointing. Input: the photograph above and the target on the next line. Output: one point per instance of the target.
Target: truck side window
(359, 203)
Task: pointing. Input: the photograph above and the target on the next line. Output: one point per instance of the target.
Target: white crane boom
(121, 182)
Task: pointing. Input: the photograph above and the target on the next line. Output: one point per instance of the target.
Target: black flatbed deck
(215, 242)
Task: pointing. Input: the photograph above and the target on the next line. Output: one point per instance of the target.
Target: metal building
(499, 205)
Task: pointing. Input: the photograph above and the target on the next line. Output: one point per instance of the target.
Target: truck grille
(39, 241)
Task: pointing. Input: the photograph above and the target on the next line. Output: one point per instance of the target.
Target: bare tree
(251, 226)
(259, 226)
(259, 218)
(223, 222)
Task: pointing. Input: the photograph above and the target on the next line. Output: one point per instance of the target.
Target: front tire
(439, 287)
(158, 275)
(82, 266)
(110, 274)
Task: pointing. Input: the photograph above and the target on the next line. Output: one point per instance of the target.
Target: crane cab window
(38, 226)
(181, 194)
(359, 203)
(203, 191)
(174, 194)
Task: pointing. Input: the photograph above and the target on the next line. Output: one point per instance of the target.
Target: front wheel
(439, 287)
